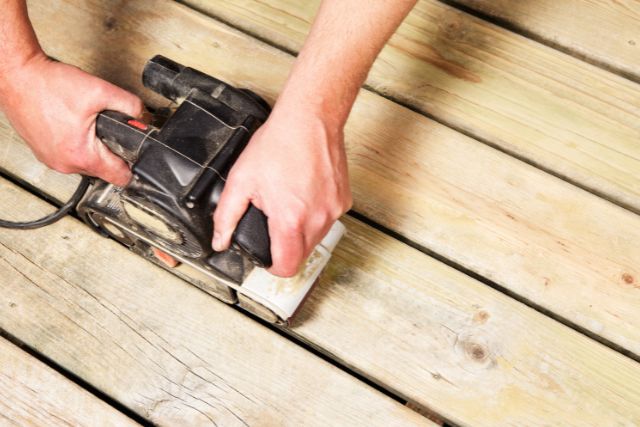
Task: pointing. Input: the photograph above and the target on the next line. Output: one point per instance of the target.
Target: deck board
(423, 330)
(521, 228)
(31, 393)
(602, 32)
(411, 324)
(159, 346)
(493, 84)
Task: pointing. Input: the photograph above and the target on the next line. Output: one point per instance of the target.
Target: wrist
(16, 75)
(312, 105)
(17, 69)
(294, 112)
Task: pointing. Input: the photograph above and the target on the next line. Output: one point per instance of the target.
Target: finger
(118, 99)
(109, 167)
(232, 205)
(287, 250)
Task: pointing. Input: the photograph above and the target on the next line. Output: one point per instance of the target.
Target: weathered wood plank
(554, 110)
(512, 223)
(160, 346)
(603, 32)
(31, 393)
(406, 321)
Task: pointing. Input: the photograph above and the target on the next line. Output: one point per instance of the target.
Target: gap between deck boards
(280, 330)
(442, 258)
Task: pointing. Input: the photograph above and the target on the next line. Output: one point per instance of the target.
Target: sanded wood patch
(558, 246)
(33, 394)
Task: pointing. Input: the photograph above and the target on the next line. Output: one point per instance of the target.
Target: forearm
(18, 42)
(345, 39)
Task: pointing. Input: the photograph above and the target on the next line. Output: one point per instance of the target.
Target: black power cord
(55, 216)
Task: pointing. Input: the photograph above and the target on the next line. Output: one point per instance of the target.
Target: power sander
(179, 171)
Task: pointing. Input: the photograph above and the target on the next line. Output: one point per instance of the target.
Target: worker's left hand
(295, 170)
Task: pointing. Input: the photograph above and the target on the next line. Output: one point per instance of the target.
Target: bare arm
(18, 43)
(53, 106)
(345, 39)
(295, 168)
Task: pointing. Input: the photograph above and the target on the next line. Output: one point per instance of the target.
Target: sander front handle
(124, 136)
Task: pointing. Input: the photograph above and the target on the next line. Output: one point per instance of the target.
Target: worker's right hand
(53, 106)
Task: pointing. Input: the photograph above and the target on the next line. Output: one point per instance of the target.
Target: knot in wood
(481, 317)
(475, 351)
(628, 278)
(452, 26)
(110, 23)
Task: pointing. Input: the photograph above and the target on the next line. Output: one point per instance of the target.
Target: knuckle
(293, 222)
(322, 218)
(237, 179)
(99, 89)
(336, 212)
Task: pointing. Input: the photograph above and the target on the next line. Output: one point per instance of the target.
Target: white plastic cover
(285, 295)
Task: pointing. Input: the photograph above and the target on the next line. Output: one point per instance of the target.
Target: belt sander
(179, 171)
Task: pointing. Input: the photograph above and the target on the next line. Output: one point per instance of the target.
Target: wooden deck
(491, 271)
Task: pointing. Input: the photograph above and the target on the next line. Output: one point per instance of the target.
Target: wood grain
(33, 394)
(558, 246)
(601, 31)
(430, 333)
(159, 346)
(570, 117)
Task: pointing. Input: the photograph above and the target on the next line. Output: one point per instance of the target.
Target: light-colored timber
(556, 111)
(601, 31)
(529, 232)
(413, 325)
(160, 346)
(33, 394)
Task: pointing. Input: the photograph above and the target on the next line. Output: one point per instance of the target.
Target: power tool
(179, 171)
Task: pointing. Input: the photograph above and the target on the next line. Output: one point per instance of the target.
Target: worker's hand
(54, 106)
(294, 169)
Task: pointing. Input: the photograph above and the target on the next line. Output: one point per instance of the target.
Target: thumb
(123, 101)
(232, 205)
(110, 167)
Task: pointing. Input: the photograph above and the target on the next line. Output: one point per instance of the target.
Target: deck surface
(490, 276)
